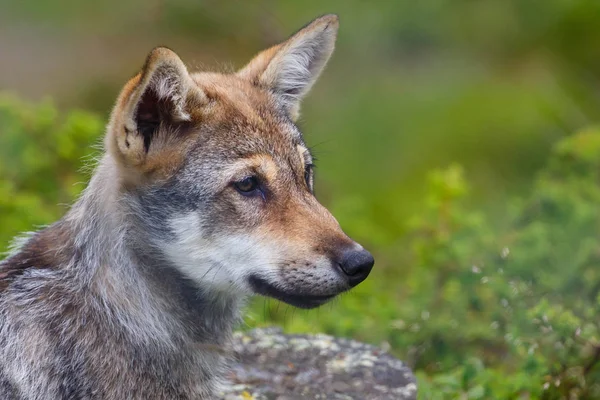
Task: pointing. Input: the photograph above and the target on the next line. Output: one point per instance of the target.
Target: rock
(272, 366)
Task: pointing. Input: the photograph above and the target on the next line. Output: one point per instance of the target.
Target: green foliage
(479, 311)
(40, 163)
(513, 313)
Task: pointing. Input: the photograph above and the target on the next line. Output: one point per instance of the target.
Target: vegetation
(41, 156)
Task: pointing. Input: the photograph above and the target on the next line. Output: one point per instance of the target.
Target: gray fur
(114, 321)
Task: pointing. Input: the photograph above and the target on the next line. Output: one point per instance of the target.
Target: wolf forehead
(240, 121)
(268, 145)
(237, 101)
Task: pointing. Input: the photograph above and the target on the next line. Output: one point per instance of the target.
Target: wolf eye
(247, 185)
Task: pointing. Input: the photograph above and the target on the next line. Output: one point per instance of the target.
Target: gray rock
(273, 366)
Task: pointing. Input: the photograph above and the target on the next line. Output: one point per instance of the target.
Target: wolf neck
(116, 263)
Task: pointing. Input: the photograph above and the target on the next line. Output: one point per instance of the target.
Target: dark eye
(247, 186)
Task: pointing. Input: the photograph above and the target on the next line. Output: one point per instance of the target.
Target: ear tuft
(292, 67)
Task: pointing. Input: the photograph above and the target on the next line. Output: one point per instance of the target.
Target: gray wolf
(203, 196)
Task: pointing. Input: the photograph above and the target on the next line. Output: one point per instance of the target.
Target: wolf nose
(356, 265)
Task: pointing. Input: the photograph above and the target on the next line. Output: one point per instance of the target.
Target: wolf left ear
(152, 106)
(291, 68)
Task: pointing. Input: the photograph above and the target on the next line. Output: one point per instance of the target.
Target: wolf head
(222, 180)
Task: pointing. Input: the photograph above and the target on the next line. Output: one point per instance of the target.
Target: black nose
(356, 265)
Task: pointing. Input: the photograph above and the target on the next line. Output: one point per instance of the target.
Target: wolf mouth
(262, 287)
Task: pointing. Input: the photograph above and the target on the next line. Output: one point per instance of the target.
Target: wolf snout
(355, 265)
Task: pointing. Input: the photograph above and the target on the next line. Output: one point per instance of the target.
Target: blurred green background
(455, 139)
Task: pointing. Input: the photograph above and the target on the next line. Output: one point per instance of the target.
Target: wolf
(202, 197)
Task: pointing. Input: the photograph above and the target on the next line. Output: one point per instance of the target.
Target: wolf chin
(203, 196)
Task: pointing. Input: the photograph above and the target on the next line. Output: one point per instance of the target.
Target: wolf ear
(291, 68)
(152, 104)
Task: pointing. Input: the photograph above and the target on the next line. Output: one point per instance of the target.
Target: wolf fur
(202, 197)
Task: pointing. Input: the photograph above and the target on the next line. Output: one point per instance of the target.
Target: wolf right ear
(291, 68)
(151, 106)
